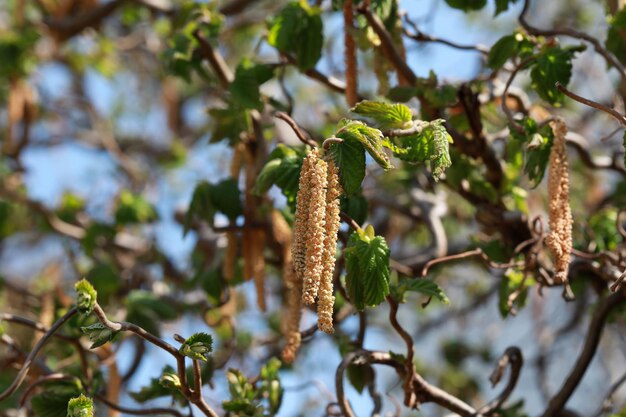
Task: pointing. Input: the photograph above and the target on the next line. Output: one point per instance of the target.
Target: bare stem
(33, 353)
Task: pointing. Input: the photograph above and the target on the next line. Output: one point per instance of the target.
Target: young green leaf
(349, 156)
(98, 334)
(615, 39)
(86, 296)
(148, 310)
(426, 287)
(248, 79)
(197, 346)
(513, 292)
(367, 265)
(501, 51)
(371, 139)
(80, 406)
(283, 170)
(133, 208)
(385, 116)
(431, 145)
(467, 5)
(297, 30)
(360, 376)
(166, 385)
(551, 66)
(207, 199)
(503, 5)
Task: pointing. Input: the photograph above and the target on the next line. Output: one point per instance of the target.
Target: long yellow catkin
(559, 240)
(326, 298)
(290, 323)
(302, 213)
(316, 234)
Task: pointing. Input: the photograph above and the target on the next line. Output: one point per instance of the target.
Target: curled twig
(512, 356)
(294, 126)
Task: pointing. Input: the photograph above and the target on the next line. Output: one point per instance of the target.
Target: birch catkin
(316, 233)
(302, 213)
(559, 240)
(326, 298)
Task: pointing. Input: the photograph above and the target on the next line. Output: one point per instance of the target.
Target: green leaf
(270, 386)
(431, 144)
(369, 137)
(297, 30)
(402, 93)
(467, 5)
(503, 6)
(86, 296)
(283, 170)
(502, 51)
(537, 158)
(16, 52)
(360, 376)
(355, 206)
(248, 79)
(367, 266)
(226, 198)
(426, 287)
(386, 116)
(132, 208)
(98, 334)
(551, 66)
(207, 199)
(349, 156)
(80, 406)
(105, 280)
(148, 310)
(50, 404)
(615, 36)
(228, 123)
(197, 346)
(511, 282)
(166, 385)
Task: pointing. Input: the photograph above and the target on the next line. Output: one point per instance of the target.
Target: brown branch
(614, 113)
(72, 25)
(387, 46)
(505, 95)
(191, 395)
(138, 411)
(217, 62)
(597, 45)
(47, 378)
(420, 36)
(350, 54)
(294, 126)
(468, 254)
(594, 333)
(33, 354)
(512, 356)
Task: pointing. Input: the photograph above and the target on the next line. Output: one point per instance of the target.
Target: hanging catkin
(302, 213)
(290, 323)
(326, 298)
(316, 234)
(230, 252)
(559, 240)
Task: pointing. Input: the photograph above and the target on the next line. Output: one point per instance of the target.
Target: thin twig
(596, 326)
(294, 126)
(512, 356)
(138, 411)
(33, 353)
(617, 115)
(608, 56)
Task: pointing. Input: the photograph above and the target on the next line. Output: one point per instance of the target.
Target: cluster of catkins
(559, 240)
(314, 246)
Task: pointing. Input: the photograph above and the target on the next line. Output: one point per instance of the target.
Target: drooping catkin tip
(559, 240)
